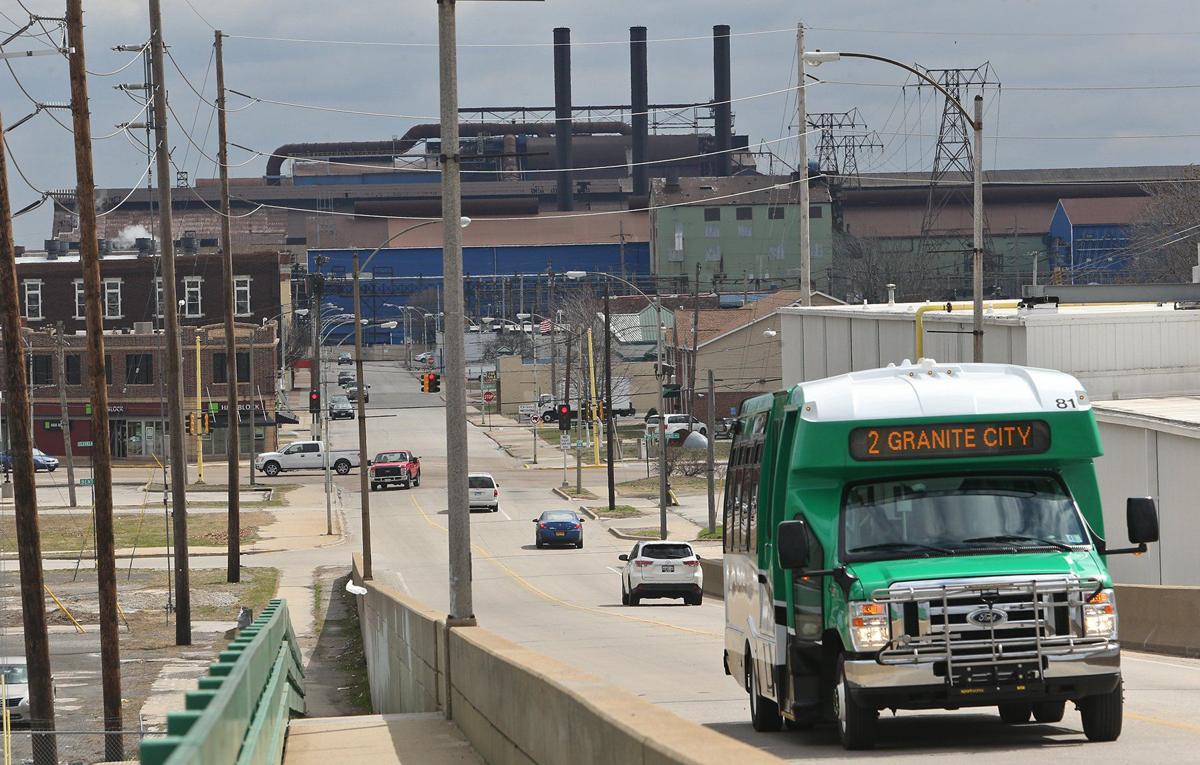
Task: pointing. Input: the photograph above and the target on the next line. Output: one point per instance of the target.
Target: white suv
(662, 570)
(484, 492)
(676, 423)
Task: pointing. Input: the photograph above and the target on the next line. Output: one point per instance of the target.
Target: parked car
(16, 683)
(423, 358)
(346, 378)
(725, 427)
(352, 394)
(306, 455)
(394, 469)
(661, 570)
(41, 461)
(340, 408)
(558, 527)
(345, 358)
(676, 423)
(484, 492)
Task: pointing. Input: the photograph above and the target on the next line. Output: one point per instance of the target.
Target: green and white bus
(925, 536)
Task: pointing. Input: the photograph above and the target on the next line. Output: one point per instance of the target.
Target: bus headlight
(1100, 615)
(869, 628)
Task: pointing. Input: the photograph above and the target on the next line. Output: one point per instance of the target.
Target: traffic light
(425, 382)
(600, 410)
(314, 401)
(189, 425)
(564, 416)
(206, 423)
(435, 382)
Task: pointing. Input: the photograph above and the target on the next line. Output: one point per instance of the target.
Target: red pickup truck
(394, 468)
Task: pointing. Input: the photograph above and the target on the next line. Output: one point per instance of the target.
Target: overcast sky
(1079, 44)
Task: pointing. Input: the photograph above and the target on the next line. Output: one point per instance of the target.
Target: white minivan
(484, 492)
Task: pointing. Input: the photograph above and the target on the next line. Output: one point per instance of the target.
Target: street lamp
(364, 486)
(658, 375)
(817, 58)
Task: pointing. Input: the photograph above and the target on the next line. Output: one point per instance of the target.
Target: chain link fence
(72, 747)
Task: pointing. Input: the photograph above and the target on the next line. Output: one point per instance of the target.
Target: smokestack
(722, 93)
(639, 101)
(563, 127)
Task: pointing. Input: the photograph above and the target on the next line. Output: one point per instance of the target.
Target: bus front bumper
(922, 686)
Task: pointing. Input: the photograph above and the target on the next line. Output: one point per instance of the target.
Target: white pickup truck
(306, 455)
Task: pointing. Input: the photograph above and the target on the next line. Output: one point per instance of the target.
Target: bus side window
(751, 489)
(732, 494)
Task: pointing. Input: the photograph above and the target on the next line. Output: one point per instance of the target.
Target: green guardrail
(240, 710)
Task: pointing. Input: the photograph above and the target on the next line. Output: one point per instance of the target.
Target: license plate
(560, 533)
(668, 569)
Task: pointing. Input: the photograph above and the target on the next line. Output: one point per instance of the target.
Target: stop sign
(488, 397)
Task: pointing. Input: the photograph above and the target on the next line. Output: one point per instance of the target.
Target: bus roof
(930, 389)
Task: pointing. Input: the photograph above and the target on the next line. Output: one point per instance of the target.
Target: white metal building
(1116, 351)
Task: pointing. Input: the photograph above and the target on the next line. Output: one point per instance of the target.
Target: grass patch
(718, 534)
(681, 484)
(616, 511)
(573, 494)
(258, 586)
(646, 533)
(73, 532)
(353, 661)
(317, 586)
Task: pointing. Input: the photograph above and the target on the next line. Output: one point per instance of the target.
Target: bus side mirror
(792, 544)
(1141, 517)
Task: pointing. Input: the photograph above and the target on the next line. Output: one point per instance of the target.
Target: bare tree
(866, 268)
(1162, 244)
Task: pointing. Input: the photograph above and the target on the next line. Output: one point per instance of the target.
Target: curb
(621, 535)
(588, 512)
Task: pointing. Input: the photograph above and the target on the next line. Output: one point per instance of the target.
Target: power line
(1042, 88)
(976, 33)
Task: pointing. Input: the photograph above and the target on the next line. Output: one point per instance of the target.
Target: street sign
(533, 419)
(488, 397)
(564, 441)
(86, 481)
(84, 444)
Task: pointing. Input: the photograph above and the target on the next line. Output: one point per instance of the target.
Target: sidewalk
(428, 739)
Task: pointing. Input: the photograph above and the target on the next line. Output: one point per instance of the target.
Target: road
(566, 604)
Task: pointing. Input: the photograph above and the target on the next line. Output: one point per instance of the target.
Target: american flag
(545, 327)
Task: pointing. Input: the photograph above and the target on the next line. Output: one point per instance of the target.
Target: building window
(775, 213)
(220, 370)
(73, 372)
(41, 370)
(775, 252)
(80, 300)
(712, 230)
(112, 299)
(138, 369)
(712, 214)
(713, 253)
(815, 212)
(191, 297)
(241, 295)
(745, 213)
(33, 299)
(158, 296)
(678, 237)
(745, 230)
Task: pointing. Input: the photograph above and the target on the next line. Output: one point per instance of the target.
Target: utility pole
(663, 488)
(89, 256)
(364, 485)
(233, 452)
(977, 233)
(462, 610)
(802, 167)
(178, 453)
(608, 398)
(712, 473)
(199, 414)
(314, 316)
(550, 309)
(65, 423)
(29, 544)
(693, 384)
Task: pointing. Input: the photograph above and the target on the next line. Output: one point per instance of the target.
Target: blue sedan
(41, 461)
(559, 527)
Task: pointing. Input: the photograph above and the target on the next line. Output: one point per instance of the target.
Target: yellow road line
(559, 601)
(1190, 727)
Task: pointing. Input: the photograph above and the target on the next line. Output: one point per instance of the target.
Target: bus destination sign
(950, 439)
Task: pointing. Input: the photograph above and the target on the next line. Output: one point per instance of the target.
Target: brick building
(136, 389)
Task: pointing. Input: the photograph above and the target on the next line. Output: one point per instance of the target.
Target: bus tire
(1049, 711)
(764, 713)
(856, 724)
(1102, 715)
(1015, 713)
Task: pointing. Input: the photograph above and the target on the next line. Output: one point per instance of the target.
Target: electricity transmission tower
(842, 137)
(949, 181)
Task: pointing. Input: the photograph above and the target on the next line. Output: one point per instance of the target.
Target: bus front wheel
(1102, 715)
(856, 723)
(764, 713)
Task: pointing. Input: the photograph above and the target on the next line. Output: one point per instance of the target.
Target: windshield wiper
(1021, 538)
(884, 546)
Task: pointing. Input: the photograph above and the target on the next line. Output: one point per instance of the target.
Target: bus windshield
(949, 515)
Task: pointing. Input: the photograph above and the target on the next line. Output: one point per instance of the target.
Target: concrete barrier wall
(1152, 617)
(1159, 618)
(518, 707)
